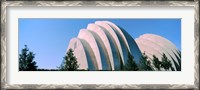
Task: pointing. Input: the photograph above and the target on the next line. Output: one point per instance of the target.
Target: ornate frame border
(5, 4)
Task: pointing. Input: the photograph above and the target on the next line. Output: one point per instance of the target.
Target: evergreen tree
(26, 62)
(145, 65)
(121, 65)
(156, 62)
(131, 65)
(70, 62)
(166, 63)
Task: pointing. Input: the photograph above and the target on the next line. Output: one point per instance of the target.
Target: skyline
(53, 35)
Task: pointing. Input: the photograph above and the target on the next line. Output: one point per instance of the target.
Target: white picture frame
(5, 73)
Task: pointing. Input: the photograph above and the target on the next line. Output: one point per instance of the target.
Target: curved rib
(88, 37)
(129, 42)
(118, 30)
(105, 44)
(108, 30)
(79, 51)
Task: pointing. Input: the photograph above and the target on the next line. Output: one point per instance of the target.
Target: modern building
(105, 46)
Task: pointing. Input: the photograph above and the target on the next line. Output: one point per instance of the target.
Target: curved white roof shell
(157, 45)
(153, 38)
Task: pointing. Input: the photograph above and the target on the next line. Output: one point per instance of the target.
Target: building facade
(105, 46)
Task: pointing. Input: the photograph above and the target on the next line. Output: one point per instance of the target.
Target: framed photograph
(99, 44)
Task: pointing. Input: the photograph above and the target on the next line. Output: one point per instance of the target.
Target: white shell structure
(156, 45)
(105, 46)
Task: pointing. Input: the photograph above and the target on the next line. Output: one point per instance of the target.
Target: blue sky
(49, 38)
